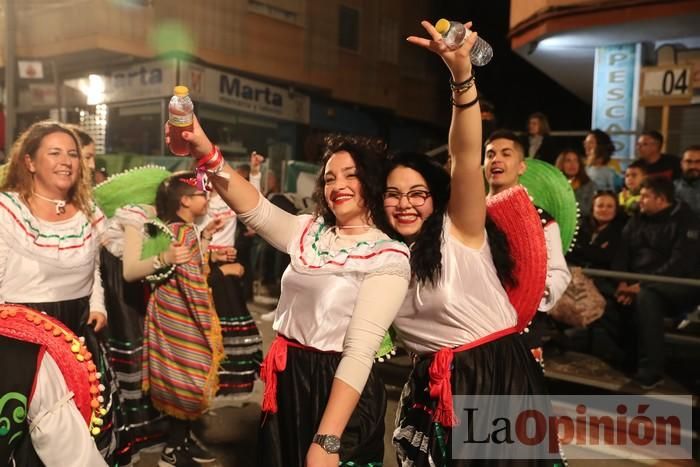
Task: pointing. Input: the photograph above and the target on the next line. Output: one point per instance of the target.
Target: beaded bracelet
(466, 105)
(462, 84)
(166, 270)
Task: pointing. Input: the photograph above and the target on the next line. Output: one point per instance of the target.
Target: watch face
(331, 444)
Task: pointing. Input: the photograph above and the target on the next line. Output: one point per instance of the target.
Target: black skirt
(303, 389)
(141, 425)
(242, 340)
(504, 366)
(74, 314)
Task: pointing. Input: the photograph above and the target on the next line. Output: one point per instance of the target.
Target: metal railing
(641, 277)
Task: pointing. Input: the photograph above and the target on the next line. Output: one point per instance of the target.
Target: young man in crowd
(504, 164)
(662, 239)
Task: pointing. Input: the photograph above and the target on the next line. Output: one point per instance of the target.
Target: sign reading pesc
(615, 94)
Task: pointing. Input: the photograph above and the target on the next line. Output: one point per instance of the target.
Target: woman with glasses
(323, 404)
(457, 318)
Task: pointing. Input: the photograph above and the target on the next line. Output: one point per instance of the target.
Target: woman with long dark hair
(323, 403)
(600, 167)
(457, 318)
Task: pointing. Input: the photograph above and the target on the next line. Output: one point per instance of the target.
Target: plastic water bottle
(454, 34)
(180, 117)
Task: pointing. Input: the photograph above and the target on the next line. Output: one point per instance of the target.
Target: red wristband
(214, 162)
(212, 154)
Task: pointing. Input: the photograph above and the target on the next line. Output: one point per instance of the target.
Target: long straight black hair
(426, 254)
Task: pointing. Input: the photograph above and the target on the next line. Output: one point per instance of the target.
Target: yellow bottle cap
(442, 26)
(181, 91)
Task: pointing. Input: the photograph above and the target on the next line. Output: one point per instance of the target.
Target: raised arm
(274, 224)
(235, 190)
(467, 206)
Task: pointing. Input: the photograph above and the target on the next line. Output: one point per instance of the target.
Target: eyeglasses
(416, 198)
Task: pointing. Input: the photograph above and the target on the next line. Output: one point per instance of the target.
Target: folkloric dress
(54, 267)
(320, 291)
(182, 339)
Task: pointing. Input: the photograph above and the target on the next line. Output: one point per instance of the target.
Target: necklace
(60, 203)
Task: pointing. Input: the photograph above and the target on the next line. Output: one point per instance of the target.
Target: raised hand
(256, 159)
(198, 141)
(458, 61)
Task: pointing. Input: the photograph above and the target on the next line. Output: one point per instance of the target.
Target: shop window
(135, 129)
(349, 28)
(389, 40)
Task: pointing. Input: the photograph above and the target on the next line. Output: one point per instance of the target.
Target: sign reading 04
(666, 85)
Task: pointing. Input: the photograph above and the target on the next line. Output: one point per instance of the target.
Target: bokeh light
(171, 36)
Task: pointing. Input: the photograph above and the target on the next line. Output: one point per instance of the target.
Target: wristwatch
(330, 443)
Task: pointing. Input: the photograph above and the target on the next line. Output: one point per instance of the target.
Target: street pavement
(231, 432)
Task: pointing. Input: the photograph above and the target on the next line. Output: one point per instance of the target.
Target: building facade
(273, 76)
(636, 61)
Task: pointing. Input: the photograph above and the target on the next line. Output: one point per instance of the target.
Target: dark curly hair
(426, 255)
(368, 154)
(604, 146)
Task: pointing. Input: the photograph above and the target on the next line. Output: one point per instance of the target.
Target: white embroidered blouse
(43, 261)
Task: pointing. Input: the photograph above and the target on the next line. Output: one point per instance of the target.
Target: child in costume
(629, 196)
(182, 345)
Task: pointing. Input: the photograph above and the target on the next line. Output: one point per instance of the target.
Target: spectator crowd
(644, 219)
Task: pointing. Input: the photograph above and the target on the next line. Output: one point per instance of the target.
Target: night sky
(514, 86)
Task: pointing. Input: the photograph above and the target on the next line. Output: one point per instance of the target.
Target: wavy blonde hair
(19, 178)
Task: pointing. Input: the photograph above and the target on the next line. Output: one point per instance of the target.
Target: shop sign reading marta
(155, 79)
(246, 95)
